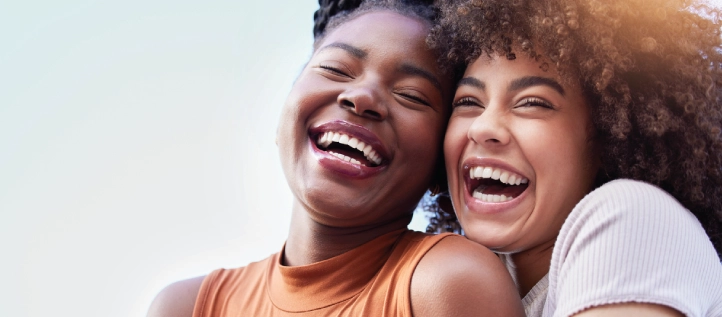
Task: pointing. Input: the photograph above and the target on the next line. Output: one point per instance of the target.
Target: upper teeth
(503, 176)
(327, 137)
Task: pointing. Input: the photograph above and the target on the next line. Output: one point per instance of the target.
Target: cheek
(456, 133)
(422, 131)
(454, 143)
(558, 153)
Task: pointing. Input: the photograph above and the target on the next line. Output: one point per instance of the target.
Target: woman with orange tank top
(360, 143)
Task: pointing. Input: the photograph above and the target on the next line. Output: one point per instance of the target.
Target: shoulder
(635, 220)
(623, 238)
(627, 194)
(458, 277)
(625, 203)
(177, 299)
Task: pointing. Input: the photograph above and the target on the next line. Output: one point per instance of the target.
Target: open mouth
(495, 185)
(348, 148)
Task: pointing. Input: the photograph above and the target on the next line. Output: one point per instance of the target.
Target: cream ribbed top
(629, 241)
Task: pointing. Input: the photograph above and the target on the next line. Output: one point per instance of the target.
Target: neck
(531, 265)
(310, 241)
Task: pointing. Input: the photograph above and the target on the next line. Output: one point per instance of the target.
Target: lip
(340, 166)
(481, 207)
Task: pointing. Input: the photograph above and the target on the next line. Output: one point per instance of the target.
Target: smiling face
(362, 127)
(518, 153)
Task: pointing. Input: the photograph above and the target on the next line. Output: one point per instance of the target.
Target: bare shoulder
(458, 277)
(177, 299)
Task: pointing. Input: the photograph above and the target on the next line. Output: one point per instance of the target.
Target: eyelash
(466, 101)
(415, 99)
(534, 102)
(333, 70)
(526, 102)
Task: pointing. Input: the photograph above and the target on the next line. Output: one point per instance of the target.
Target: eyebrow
(353, 50)
(417, 71)
(524, 82)
(471, 81)
(531, 81)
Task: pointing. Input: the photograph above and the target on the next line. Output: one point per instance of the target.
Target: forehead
(384, 32)
(488, 66)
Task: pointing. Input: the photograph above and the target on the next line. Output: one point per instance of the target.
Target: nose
(490, 129)
(364, 100)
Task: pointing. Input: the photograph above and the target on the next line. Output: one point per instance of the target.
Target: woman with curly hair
(584, 148)
(371, 100)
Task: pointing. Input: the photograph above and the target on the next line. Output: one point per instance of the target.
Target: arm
(458, 277)
(177, 299)
(630, 309)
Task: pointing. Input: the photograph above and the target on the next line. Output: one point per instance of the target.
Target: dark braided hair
(651, 71)
(331, 13)
(328, 9)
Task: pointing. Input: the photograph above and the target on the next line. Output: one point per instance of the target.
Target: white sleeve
(629, 241)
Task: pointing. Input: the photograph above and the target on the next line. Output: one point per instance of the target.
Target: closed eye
(534, 102)
(414, 98)
(333, 70)
(467, 102)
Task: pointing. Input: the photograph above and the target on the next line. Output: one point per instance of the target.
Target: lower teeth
(491, 198)
(345, 158)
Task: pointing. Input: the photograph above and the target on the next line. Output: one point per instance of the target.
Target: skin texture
(397, 94)
(454, 290)
(176, 299)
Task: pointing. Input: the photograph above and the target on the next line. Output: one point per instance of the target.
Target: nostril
(347, 103)
(372, 114)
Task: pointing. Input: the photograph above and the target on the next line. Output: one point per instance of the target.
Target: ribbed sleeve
(629, 241)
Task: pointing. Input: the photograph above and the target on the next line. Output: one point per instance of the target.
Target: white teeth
(478, 172)
(503, 176)
(354, 142)
(345, 158)
(487, 172)
(328, 137)
(367, 150)
(491, 198)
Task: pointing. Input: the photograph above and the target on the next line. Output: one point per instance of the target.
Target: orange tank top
(372, 280)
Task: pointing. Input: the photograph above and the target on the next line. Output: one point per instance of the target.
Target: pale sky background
(137, 146)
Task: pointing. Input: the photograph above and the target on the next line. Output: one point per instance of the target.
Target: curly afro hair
(650, 70)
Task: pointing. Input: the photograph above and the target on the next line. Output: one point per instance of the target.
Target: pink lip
(478, 206)
(340, 166)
